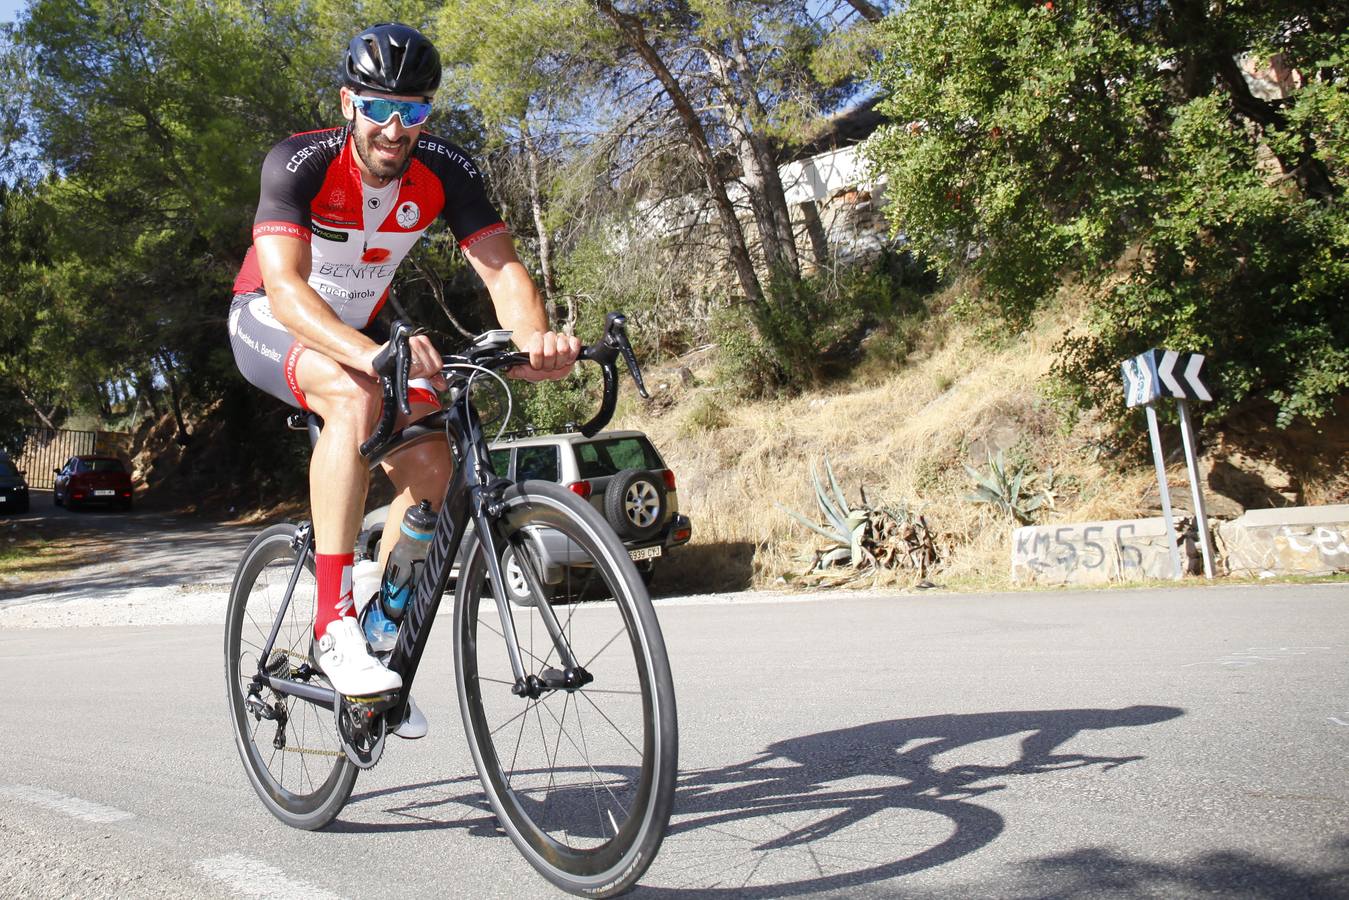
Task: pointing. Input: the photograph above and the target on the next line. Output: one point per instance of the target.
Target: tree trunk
(175, 397)
(540, 227)
(758, 167)
(819, 241)
(45, 418)
(635, 34)
(145, 389)
(1217, 60)
(1311, 174)
(866, 10)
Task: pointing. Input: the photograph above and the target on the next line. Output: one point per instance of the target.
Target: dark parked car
(92, 479)
(13, 489)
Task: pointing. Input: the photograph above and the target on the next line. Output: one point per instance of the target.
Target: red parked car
(92, 479)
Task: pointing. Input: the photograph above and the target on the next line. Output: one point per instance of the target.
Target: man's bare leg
(419, 472)
(338, 475)
(338, 480)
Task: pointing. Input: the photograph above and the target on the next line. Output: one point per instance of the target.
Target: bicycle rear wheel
(582, 780)
(307, 779)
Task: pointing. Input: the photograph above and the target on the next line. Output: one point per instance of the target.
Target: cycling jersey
(312, 190)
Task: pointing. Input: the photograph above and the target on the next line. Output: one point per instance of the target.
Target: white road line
(74, 807)
(254, 878)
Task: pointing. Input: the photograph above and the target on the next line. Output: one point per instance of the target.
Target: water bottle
(381, 633)
(414, 538)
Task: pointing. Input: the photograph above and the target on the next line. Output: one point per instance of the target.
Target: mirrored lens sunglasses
(379, 111)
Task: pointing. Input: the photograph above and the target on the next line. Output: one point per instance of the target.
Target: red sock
(333, 571)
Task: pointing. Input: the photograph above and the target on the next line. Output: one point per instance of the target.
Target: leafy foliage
(808, 330)
(1037, 141)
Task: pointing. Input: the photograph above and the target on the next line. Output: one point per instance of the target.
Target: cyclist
(339, 209)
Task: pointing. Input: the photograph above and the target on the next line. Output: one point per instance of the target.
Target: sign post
(1165, 373)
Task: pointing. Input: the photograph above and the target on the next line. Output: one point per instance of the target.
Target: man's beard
(379, 166)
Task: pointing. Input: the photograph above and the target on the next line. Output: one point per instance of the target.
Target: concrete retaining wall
(1097, 552)
(1304, 540)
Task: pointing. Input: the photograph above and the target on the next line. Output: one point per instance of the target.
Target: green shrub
(1012, 490)
(809, 330)
(549, 406)
(705, 415)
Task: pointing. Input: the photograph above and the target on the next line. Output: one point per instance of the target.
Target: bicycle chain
(304, 658)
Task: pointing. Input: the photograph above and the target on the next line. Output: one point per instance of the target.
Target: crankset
(362, 728)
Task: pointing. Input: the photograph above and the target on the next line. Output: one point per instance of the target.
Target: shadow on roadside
(823, 812)
(705, 569)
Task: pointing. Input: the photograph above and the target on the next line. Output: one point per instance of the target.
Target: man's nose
(394, 130)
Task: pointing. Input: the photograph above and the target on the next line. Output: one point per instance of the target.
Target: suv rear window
(599, 459)
(537, 463)
(7, 468)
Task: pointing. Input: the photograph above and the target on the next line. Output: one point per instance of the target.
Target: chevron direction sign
(1163, 373)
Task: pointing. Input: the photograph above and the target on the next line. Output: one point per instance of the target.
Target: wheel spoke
(300, 779)
(572, 776)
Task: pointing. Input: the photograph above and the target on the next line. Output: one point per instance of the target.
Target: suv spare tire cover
(634, 504)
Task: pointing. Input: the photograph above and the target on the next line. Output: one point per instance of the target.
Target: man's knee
(425, 464)
(346, 399)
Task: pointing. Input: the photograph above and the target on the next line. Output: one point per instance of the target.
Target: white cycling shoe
(414, 726)
(345, 658)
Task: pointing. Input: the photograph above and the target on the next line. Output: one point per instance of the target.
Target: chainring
(361, 727)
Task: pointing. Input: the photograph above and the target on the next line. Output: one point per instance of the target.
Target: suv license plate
(104, 493)
(645, 553)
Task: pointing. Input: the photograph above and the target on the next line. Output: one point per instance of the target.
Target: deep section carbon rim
(581, 780)
(305, 781)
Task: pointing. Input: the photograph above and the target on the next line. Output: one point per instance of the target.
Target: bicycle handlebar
(394, 362)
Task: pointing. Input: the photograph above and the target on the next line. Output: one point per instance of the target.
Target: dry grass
(905, 436)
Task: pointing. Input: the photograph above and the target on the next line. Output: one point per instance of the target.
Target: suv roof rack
(516, 434)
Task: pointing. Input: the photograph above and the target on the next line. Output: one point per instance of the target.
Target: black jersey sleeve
(467, 211)
(292, 175)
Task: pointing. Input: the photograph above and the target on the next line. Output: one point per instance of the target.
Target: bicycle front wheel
(294, 759)
(582, 780)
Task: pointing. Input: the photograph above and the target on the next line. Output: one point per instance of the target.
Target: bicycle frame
(468, 496)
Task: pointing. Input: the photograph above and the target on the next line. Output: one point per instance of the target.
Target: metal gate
(47, 449)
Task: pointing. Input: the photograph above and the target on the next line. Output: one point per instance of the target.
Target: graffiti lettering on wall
(1071, 547)
(1327, 541)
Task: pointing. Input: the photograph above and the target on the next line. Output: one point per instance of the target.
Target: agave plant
(843, 525)
(1013, 491)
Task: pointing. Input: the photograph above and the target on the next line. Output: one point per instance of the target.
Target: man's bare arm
(284, 263)
(520, 308)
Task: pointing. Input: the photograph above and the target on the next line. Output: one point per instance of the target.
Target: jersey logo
(408, 214)
(375, 255)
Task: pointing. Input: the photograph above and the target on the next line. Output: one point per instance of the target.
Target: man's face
(384, 150)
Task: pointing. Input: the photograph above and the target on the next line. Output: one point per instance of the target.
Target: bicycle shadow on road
(828, 811)
(851, 807)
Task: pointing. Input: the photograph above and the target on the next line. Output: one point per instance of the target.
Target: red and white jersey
(312, 190)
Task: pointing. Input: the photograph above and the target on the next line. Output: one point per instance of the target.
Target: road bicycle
(568, 706)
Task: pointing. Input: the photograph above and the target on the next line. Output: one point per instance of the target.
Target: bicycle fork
(573, 675)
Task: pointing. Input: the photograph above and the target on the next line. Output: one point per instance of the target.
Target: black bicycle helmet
(393, 59)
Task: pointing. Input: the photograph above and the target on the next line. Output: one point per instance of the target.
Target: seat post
(306, 421)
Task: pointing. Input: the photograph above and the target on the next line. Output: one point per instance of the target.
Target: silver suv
(618, 472)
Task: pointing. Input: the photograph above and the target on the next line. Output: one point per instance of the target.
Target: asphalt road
(118, 550)
(1178, 743)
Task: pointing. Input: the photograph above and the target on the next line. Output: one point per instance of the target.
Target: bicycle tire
(310, 731)
(564, 818)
